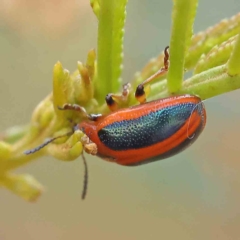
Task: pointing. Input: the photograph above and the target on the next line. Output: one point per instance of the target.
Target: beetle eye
(76, 127)
(82, 129)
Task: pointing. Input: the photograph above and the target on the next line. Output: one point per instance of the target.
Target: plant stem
(110, 45)
(184, 12)
(234, 62)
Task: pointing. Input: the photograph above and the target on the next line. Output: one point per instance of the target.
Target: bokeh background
(194, 195)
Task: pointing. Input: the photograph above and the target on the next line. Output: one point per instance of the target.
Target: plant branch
(234, 61)
(110, 46)
(183, 16)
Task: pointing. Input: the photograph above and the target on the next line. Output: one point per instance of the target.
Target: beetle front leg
(140, 93)
(78, 108)
(114, 100)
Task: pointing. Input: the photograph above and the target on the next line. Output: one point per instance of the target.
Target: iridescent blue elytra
(148, 129)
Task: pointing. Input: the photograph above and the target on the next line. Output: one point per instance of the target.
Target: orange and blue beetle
(148, 132)
(144, 133)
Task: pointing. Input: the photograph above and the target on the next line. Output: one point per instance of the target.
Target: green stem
(110, 45)
(234, 62)
(184, 12)
(211, 83)
(206, 84)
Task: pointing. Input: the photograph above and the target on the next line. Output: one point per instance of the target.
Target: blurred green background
(194, 195)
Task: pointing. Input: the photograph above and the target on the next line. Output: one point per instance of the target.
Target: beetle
(147, 132)
(143, 133)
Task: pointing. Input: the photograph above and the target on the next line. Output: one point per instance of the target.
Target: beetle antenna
(191, 137)
(85, 179)
(47, 141)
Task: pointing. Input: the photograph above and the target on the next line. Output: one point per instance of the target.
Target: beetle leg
(89, 146)
(140, 93)
(78, 108)
(113, 100)
(74, 107)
